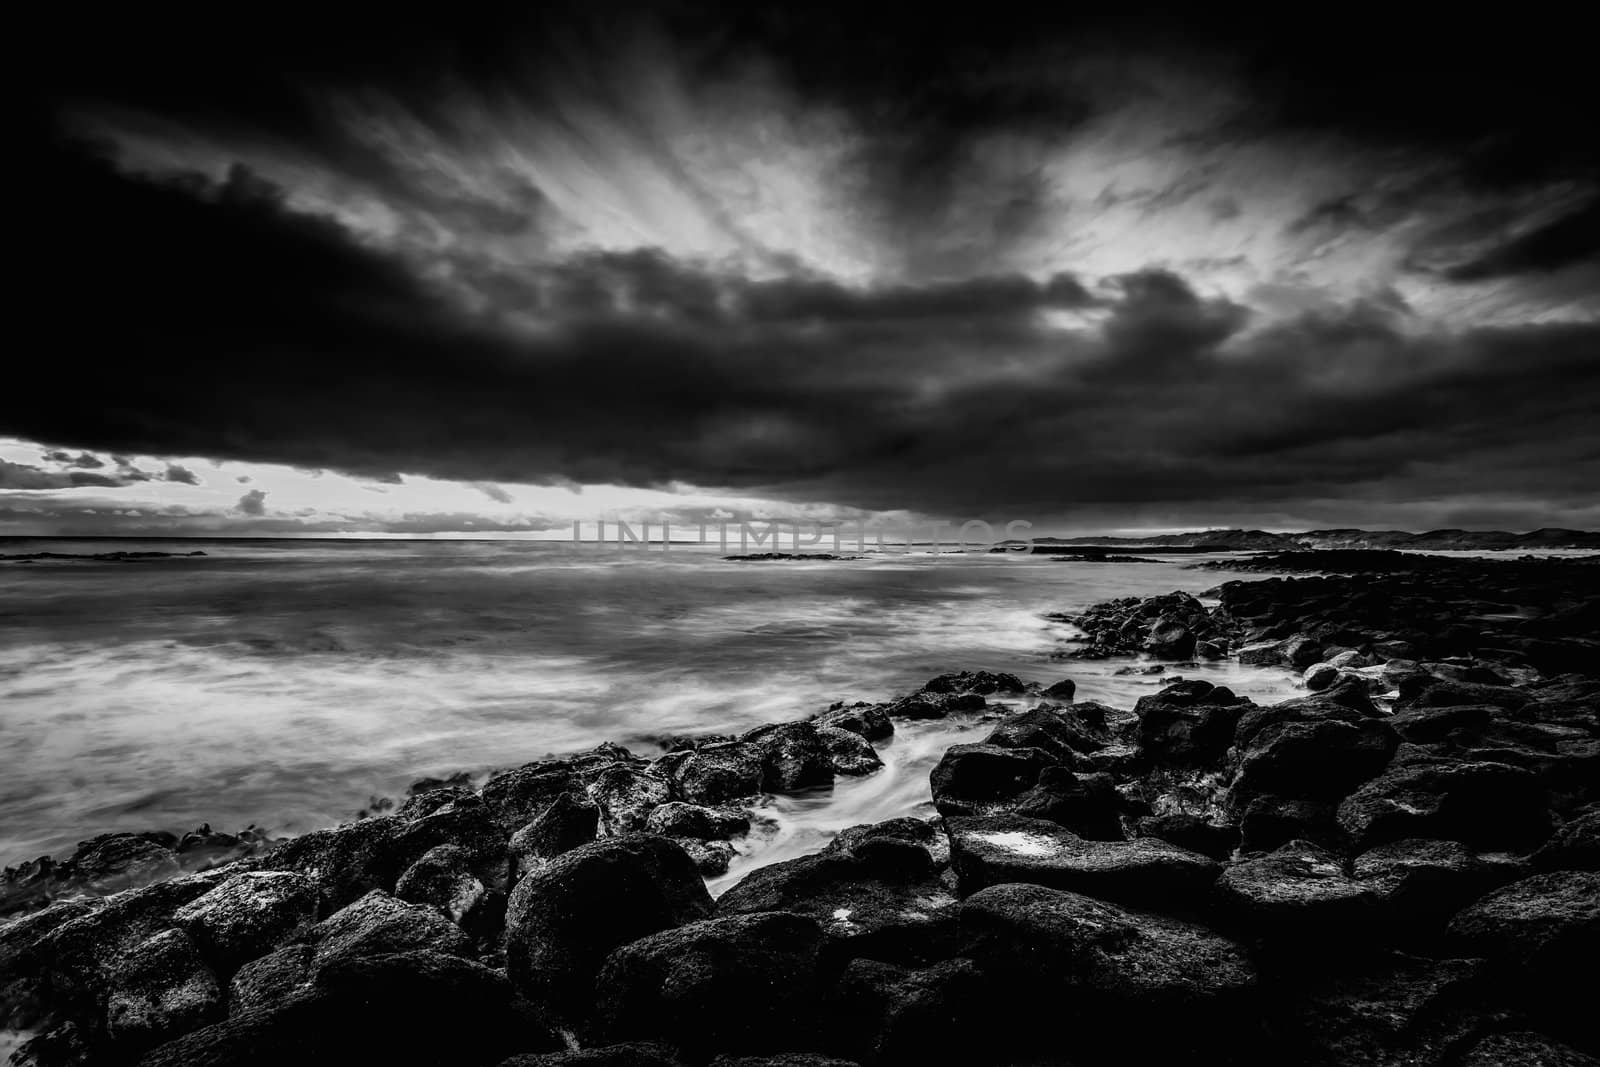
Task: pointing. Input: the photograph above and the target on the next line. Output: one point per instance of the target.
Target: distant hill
(1263, 541)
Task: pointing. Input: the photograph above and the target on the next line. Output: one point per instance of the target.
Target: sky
(292, 272)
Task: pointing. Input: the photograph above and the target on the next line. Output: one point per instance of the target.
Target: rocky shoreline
(1401, 866)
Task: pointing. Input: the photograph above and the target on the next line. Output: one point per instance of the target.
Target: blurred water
(285, 683)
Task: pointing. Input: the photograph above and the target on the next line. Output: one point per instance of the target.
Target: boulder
(929, 835)
(564, 919)
(1269, 822)
(739, 983)
(1575, 846)
(1108, 972)
(870, 721)
(378, 924)
(849, 753)
(678, 819)
(519, 796)
(625, 1054)
(890, 1014)
(1526, 1048)
(1399, 1009)
(416, 1007)
(1299, 893)
(1086, 804)
(442, 879)
(1193, 832)
(159, 990)
(1063, 690)
(980, 779)
(1482, 804)
(626, 795)
(872, 901)
(1323, 759)
(1189, 723)
(1421, 883)
(793, 756)
(982, 683)
(570, 820)
(1320, 676)
(246, 916)
(993, 850)
(711, 858)
(1549, 922)
(719, 772)
(1057, 732)
(113, 862)
(270, 979)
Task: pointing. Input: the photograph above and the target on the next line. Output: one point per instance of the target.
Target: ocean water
(287, 683)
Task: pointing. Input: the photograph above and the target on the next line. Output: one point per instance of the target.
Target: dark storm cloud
(279, 338)
(23, 476)
(253, 503)
(1572, 238)
(82, 459)
(177, 473)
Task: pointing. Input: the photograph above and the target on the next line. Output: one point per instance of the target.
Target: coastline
(1265, 841)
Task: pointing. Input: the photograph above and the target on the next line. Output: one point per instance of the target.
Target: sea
(291, 684)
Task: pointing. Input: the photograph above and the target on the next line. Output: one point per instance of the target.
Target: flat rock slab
(993, 850)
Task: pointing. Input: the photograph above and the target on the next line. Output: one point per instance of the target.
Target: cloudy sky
(306, 273)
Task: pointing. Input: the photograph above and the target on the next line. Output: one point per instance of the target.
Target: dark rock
(1115, 970)
(626, 795)
(114, 862)
(81, 956)
(1298, 893)
(793, 756)
(248, 915)
(378, 924)
(1192, 832)
(741, 983)
(1402, 1010)
(1270, 822)
(1188, 723)
(570, 820)
(159, 990)
(982, 778)
(1481, 804)
(1058, 732)
(992, 850)
(677, 819)
(1549, 923)
(1433, 692)
(21, 981)
(564, 919)
(1525, 1048)
(518, 797)
(1320, 676)
(350, 1014)
(983, 683)
(711, 858)
(867, 905)
(849, 753)
(891, 1014)
(442, 879)
(868, 720)
(783, 1059)
(270, 979)
(715, 773)
(1422, 882)
(1575, 846)
(1062, 690)
(1318, 760)
(626, 1054)
(1086, 804)
(930, 836)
